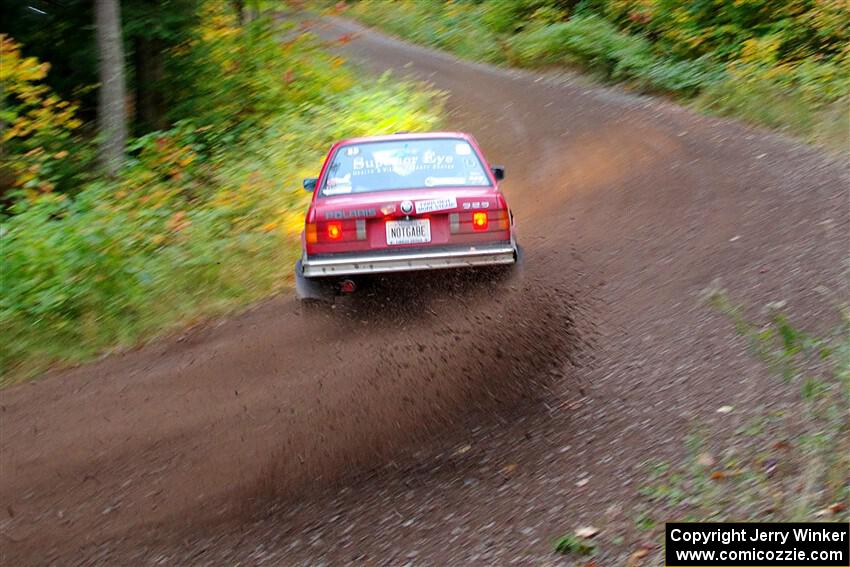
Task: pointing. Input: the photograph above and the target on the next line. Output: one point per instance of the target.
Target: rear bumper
(407, 260)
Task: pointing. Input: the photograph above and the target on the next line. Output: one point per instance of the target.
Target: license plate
(408, 231)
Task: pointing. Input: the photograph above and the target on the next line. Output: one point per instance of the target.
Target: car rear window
(403, 164)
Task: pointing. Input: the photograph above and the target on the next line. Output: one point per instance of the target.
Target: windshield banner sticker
(401, 163)
(431, 205)
(404, 164)
(437, 161)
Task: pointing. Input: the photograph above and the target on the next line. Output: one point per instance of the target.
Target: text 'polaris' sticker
(431, 205)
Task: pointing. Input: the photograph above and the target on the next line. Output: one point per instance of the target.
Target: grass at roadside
(791, 463)
(786, 461)
(774, 76)
(204, 218)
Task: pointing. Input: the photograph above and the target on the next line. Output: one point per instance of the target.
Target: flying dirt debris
(391, 369)
(433, 357)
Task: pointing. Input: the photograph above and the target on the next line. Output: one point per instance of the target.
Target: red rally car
(398, 203)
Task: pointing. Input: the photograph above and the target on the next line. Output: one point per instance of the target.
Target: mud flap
(507, 274)
(311, 290)
(519, 265)
(514, 272)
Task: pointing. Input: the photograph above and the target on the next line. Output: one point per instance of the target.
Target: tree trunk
(239, 8)
(150, 78)
(111, 112)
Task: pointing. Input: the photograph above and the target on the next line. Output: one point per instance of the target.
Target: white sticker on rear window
(443, 181)
(431, 205)
(338, 190)
(463, 149)
(338, 185)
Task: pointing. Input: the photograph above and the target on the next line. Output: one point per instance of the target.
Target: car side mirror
(310, 184)
(498, 172)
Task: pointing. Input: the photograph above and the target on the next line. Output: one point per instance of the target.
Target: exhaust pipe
(347, 286)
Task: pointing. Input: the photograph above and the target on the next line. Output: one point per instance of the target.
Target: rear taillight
(479, 220)
(334, 230)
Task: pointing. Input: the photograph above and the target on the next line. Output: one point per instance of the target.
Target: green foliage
(819, 364)
(40, 129)
(722, 28)
(809, 98)
(60, 35)
(570, 543)
(786, 463)
(461, 27)
(587, 40)
(204, 216)
(593, 43)
(257, 74)
(163, 66)
(506, 16)
(785, 65)
(156, 36)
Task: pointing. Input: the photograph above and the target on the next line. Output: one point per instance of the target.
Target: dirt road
(447, 421)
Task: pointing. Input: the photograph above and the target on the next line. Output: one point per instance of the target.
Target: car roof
(406, 136)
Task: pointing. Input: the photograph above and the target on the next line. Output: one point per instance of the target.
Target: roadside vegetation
(226, 110)
(791, 461)
(784, 65)
(787, 461)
